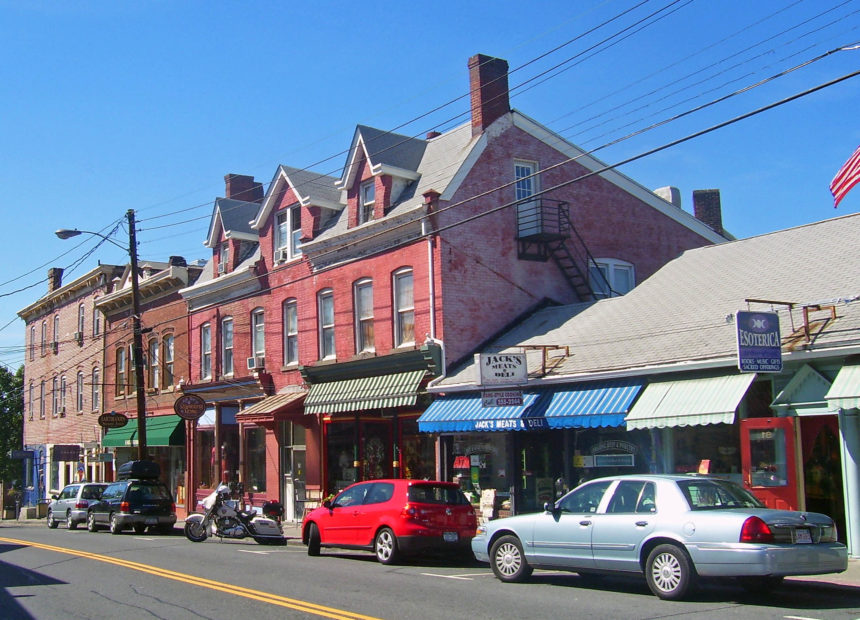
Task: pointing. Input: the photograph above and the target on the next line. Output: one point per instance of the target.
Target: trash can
(42, 508)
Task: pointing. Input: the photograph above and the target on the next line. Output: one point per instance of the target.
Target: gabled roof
(397, 153)
(311, 188)
(234, 217)
(683, 316)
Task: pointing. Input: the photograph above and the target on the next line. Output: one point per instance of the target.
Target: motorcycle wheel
(195, 530)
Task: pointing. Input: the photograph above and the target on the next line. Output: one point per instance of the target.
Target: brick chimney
(488, 85)
(55, 278)
(243, 187)
(707, 208)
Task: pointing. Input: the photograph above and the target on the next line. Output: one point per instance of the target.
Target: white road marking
(799, 618)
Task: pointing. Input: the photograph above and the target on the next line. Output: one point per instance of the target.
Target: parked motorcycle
(224, 518)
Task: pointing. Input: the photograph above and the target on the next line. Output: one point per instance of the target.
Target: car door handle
(585, 522)
(641, 523)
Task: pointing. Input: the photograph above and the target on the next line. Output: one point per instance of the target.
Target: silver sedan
(672, 529)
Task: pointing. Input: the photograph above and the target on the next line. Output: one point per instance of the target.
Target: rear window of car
(717, 494)
(436, 494)
(92, 492)
(144, 490)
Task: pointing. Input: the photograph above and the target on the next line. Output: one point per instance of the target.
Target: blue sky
(110, 106)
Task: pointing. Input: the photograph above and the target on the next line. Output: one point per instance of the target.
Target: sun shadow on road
(12, 576)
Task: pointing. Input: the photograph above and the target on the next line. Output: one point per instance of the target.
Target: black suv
(134, 501)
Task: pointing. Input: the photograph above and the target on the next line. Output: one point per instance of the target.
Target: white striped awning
(844, 393)
(377, 392)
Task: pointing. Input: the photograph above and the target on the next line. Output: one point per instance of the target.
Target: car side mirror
(55, 497)
(550, 507)
(328, 504)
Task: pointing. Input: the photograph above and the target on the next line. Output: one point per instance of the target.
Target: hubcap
(383, 546)
(666, 572)
(508, 559)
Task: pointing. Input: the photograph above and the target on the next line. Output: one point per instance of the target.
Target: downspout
(431, 199)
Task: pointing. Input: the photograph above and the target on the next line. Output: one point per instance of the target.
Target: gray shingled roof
(684, 313)
(318, 187)
(392, 149)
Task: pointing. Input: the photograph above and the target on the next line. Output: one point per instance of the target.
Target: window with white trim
(44, 337)
(30, 395)
(404, 309)
(81, 321)
(526, 185)
(32, 342)
(120, 378)
(56, 340)
(224, 257)
(167, 354)
(42, 400)
(367, 198)
(291, 332)
(611, 277)
(205, 351)
(227, 345)
(325, 313)
(55, 396)
(97, 320)
(288, 234)
(258, 333)
(154, 363)
(96, 387)
(363, 303)
(79, 392)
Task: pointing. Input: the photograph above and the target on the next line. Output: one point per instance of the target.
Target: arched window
(32, 342)
(120, 378)
(79, 392)
(96, 388)
(79, 336)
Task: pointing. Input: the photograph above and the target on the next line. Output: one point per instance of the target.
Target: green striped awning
(377, 392)
(163, 430)
(845, 391)
(689, 402)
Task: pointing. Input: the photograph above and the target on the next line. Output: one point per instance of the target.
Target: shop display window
(711, 449)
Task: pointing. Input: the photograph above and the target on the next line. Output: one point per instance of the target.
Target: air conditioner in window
(55, 346)
(282, 255)
(256, 363)
(79, 337)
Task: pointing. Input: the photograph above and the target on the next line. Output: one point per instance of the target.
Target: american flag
(847, 177)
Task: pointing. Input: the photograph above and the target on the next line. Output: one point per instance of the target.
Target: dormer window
(224, 257)
(288, 234)
(368, 198)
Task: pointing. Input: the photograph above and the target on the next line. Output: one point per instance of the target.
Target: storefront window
(480, 463)
(207, 467)
(711, 449)
(767, 458)
(255, 445)
(417, 452)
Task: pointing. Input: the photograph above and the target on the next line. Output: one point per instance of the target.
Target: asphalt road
(77, 574)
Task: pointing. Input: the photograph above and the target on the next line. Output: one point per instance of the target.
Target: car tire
(52, 523)
(508, 561)
(759, 585)
(385, 546)
(139, 528)
(91, 522)
(669, 572)
(114, 524)
(71, 523)
(313, 540)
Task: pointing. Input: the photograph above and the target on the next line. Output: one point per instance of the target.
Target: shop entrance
(822, 467)
(768, 461)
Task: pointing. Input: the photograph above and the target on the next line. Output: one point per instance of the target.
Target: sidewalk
(293, 532)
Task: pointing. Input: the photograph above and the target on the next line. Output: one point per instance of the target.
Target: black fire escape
(544, 231)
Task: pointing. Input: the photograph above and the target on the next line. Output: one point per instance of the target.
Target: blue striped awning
(592, 405)
(589, 405)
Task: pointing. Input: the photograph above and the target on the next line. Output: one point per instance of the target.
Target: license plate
(151, 521)
(449, 536)
(802, 537)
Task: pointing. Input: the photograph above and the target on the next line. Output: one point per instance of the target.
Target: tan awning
(376, 392)
(271, 405)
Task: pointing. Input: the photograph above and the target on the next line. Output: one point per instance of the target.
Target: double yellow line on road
(257, 595)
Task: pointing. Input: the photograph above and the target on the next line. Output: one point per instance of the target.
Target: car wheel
(91, 522)
(669, 572)
(139, 528)
(313, 540)
(508, 560)
(114, 524)
(385, 546)
(50, 520)
(759, 585)
(71, 523)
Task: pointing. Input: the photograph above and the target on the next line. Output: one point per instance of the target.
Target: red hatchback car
(393, 518)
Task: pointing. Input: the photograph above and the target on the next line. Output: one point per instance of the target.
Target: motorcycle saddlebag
(138, 469)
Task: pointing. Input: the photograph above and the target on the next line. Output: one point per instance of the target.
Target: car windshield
(436, 494)
(704, 494)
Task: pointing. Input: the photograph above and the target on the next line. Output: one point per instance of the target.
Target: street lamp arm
(68, 233)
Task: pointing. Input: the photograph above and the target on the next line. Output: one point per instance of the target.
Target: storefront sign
(113, 420)
(105, 457)
(759, 343)
(502, 398)
(20, 454)
(65, 453)
(502, 368)
(189, 407)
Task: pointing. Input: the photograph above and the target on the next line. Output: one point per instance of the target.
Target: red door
(768, 461)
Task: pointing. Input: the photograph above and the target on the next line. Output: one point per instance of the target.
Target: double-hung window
(120, 379)
(81, 320)
(526, 185)
(325, 310)
(224, 257)
(227, 345)
(42, 400)
(79, 393)
(291, 332)
(288, 234)
(55, 396)
(44, 337)
(363, 294)
(96, 387)
(205, 351)
(32, 342)
(404, 309)
(167, 354)
(154, 364)
(97, 321)
(610, 277)
(258, 333)
(367, 199)
(30, 401)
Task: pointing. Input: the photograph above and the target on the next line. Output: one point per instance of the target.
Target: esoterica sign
(759, 343)
(502, 368)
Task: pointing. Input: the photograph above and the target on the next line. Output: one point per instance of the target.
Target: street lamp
(137, 344)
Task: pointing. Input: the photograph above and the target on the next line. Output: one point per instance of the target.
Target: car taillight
(123, 506)
(408, 512)
(829, 533)
(755, 530)
(81, 505)
(172, 506)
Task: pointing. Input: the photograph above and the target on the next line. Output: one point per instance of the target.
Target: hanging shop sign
(502, 368)
(759, 343)
(66, 453)
(113, 420)
(189, 407)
